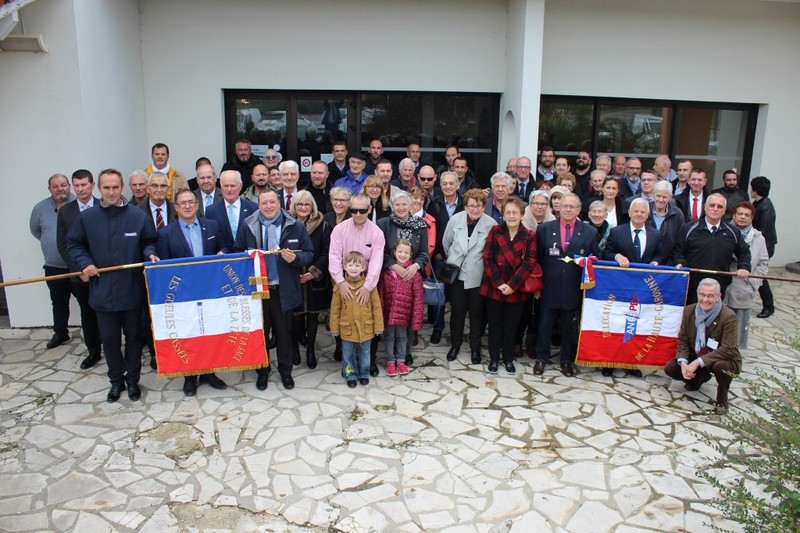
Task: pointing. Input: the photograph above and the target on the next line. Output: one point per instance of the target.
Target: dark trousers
(305, 323)
(89, 322)
(280, 322)
(529, 321)
(718, 369)
(112, 325)
(767, 300)
(59, 298)
(503, 320)
(462, 301)
(569, 333)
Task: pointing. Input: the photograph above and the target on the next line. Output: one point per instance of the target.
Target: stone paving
(446, 448)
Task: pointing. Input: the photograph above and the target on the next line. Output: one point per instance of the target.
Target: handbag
(433, 290)
(534, 282)
(449, 273)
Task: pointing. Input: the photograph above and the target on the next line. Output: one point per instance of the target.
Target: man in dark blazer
(231, 212)
(83, 184)
(634, 242)
(158, 209)
(207, 191)
(696, 190)
(176, 240)
(555, 241)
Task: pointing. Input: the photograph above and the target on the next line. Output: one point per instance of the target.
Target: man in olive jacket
(708, 343)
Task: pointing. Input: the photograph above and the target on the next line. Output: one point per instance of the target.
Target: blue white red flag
(204, 316)
(632, 316)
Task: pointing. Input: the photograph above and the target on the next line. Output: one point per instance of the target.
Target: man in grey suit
(207, 193)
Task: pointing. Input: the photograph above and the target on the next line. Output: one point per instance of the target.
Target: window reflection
(567, 127)
(262, 121)
(713, 139)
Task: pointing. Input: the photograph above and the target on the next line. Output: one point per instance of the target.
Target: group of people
(358, 238)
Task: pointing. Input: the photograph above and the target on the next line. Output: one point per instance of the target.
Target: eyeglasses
(716, 206)
(426, 179)
(568, 206)
(539, 204)
(186, 203)
(270, 157)
(373, 186)
(339, 200)
(474, 206)
(359, 210)
(302, 206)
(523, 166)
(159, 185)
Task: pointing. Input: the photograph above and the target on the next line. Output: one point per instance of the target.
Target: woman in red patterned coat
(508, 259)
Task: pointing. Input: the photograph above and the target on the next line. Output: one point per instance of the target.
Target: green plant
(766, 448)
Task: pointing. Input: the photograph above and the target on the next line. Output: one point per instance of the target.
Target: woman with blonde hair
(374, 190)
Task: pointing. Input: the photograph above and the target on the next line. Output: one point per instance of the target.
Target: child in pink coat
(402, 302)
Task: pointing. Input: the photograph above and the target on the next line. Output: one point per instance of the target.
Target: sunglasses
(426, 179)
(359, 210)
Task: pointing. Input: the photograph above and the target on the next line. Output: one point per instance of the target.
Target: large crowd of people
(355, 240)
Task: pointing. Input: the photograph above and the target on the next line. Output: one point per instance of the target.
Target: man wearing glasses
(159, 209)
(555, 241)
(629, 185)
(525, 180)
(271, 159)
(583, 168)
(427, 180)
(709, 243)
(647, 184)
(357, 234)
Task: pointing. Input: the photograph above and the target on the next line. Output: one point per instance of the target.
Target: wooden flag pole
(725, 273)
(68, 275)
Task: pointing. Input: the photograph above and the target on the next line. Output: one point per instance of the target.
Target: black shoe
(511, 369)
(115, 392)
(453, 353)
(337, 354)
(190, 385)
(635, 373)
(568, 369)
(90, 361)
(214, 381)
(476, 357)
(436, 336)
(153, 363)
(765, 313)
(352, 384)
(415, 338)
(57, 340)
(134, 392)
(492, 368)
(409, 360)
(373, 370)
(364, 382)
(288, 382)
(303, 340)
(538, 367)
(311, 358)
(296, 355)
(608, 372)
(262, 380)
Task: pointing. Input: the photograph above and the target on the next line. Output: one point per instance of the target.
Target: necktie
(694, 209)
(567, 236)
(197, 244)
(288, 201)
(232, 221)
(637, 246)
(159, 219)
(208, 200)
(522, 190)
(713, 230)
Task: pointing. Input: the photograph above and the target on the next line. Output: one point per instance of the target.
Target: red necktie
(288, 201)
(694, 209)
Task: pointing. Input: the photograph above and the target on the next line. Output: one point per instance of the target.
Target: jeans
(396, 343)
(355, 360)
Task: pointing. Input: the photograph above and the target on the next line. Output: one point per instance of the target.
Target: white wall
(710, 50)
(79, 106)
(305, 44)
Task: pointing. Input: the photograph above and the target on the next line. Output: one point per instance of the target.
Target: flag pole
(100, 271)
(726, 273)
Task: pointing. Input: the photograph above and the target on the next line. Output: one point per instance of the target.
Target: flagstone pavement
(446, 448)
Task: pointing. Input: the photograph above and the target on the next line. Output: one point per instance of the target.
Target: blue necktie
(197, 243)
(232, 221)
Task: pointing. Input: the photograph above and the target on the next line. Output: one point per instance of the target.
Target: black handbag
(449, 273)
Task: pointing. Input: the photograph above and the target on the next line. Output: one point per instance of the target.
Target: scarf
(746, 232)
(703, 319)
(406, 228)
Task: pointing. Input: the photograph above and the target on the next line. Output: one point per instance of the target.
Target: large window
(305, 123)
(714, 136)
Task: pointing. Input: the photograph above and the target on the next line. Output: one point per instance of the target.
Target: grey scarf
(702, 319)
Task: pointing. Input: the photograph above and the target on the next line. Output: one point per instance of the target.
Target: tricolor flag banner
(204, 318)
(632, 316)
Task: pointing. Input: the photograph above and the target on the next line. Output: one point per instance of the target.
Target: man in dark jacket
(244, 162)
(115, 233)
(764, 221)
(710, 243)
(271, 228)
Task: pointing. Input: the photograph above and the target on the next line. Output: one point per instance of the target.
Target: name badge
(554, 251)
(129, 235)
(712, 344)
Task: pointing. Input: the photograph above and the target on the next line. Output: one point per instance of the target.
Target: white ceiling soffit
(10, 16)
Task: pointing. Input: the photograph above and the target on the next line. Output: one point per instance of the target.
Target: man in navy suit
(555, 241)
(207, 193)
(634, 242)
(231, 212)
(190, 236)
(159, 210)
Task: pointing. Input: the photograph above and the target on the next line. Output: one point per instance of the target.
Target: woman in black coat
(316, 282)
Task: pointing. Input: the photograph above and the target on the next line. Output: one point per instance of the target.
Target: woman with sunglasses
(317, 289)
(401, 224)
(373, 188)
